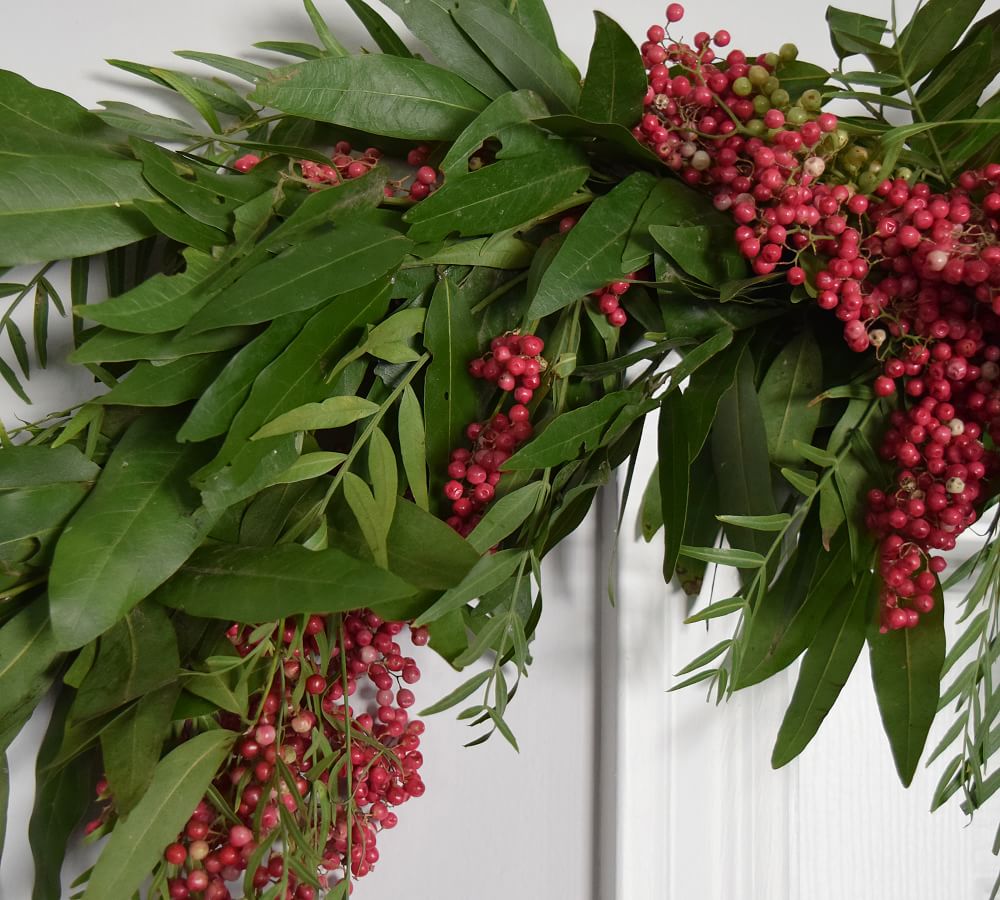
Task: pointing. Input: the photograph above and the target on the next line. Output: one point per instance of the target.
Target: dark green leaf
(37, 512)
(132, 743)
(723, 556)
(426, 552)
(906, 671)
(534, 16)
(36, 122)
(133, 120)
(297, 49)
(385, 38)
(825, 670)
(175, 224)
(703, 251)
(511, 108)
(28, 466)
(449, 394)
(739, 449)
(208, 96)
(786, 399)
(431, 22)
(616, 78)
(523, 60)
(29, 657)
(150, 384)
(62, 796)
(489, 573)
(205, 195)
(505, 516)
(709, 383)
(591, 255)
(507, 193)
(256, 584)
(221, 400)
(119, 346)
(847, 27)
(458, 695)
(413, 446)
(570, 434)
(387, 95)
(952, 90)
(136, 845)
(330, 265)
(933, 32)
(62, 207)
(136, 656)
(798, 76)
(140, 522)
(298, 374)
(241, 68)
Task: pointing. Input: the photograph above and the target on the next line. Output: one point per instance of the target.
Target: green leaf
(510, 108)
(161, 303)
(413, 446)
(221, 400)
(797, 77)
(933, 32)
(251, 469)
(616, 78)
(241, 68)
(486, 575)
(591, 255)
(208, 96)
(37, 513)
(386, 95)
(570, 434)
(298, 49)
(373, 523)
(709, 383)
(651, 509)
(533, 15)
(739, 449)
(322, 30)
(786, 399)
(740, 559)
(522, 59)
(136, 844)
(25, 465)
(506, 515)
(502, 195)
(39, 122)
(171, 222)
(385, 38)
(29, 657)
(383, 473)
(131, 745)
(134, 120)
(136, 656)
(149, 384)
(309, 466)
(140, 522)
(202, 193)
(63, 207)
(449, 394)
(852, 32)
(431, 22)
(330, 265)
(259, 584)
(787, 618)
(777, 522)
(334, 412)
(986, 128)
(704, 251)
(825, 669)
(426, 552)
(703, 659)
(717, 610)
(674, 463)
(906, 672)
(466, 689)
(119, 346)
(298, 374)
(953, 89)
(62, 796)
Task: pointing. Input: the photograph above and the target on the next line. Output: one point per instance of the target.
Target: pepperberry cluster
(515, 365)
(347, 164)
(304, 737)
(912, 273)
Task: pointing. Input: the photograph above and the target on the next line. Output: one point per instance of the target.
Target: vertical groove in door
(607, 683)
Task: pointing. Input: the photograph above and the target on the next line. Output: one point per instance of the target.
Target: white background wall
(691, 809)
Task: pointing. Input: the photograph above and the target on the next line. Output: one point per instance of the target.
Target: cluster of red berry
(514, 364)
(913, 274)
(297, 743)
(346, 164)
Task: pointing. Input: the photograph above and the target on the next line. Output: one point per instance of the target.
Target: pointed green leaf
(413, 446)
(505, 516)
(488, 574)
(140, 522)
(256, 584)
(786, 395)
(674, 464)
(616, 78)
(334, 412)
(136, 844)
(385, 38)
(149, 384)
(29, 466)
(387, 95)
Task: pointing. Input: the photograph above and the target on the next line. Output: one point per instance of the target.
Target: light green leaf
(413, 446)
(741, 559)
(506, 515)
(334, 412)
(488, 574)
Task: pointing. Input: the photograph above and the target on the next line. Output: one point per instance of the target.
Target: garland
(398, 376)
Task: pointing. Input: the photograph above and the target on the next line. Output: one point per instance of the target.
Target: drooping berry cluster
(609, 300)
(303, 737)
(912, 273)
(514, 364)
